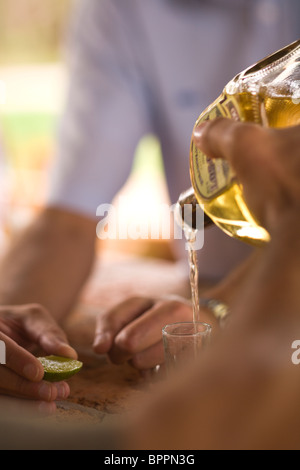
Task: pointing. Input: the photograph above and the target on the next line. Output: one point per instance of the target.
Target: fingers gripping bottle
(268, 94)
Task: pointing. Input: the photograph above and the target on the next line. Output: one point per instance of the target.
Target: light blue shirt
(151, 66)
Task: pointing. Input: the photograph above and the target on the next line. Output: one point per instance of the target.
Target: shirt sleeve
(106, 111)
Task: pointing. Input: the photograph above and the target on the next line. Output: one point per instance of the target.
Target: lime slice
(59, 368)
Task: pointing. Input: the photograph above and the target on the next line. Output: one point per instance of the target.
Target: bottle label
(211, 177)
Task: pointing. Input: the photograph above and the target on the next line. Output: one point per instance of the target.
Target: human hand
(132, 331)
(23, 328)
(20, 408)
(266, 161)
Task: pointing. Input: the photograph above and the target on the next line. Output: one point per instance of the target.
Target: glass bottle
(268, 94)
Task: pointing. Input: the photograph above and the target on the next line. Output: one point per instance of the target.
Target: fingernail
(45, 392)
(31, 372)
(67, 350)
(102, 339)
(198, 131)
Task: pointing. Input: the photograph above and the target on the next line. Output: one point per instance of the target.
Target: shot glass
(184, 342)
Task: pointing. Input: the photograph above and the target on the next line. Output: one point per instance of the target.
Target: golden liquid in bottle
(282, 112)
(229, 210)
(231, 214)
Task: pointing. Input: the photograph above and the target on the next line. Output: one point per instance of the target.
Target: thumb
(227, 139)
(43, 330)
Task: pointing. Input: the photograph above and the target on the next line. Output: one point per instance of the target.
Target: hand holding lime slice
(59, 368)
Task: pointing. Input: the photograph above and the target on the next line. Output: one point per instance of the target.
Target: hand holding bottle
(266, 161)
(268, 94)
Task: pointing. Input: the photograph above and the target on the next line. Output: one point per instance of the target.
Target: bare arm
(245, 393)
(49, 263)
(40, 279)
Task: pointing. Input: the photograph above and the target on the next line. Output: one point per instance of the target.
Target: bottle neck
(189, 211)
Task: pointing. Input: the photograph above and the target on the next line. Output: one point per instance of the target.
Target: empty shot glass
(184, 342)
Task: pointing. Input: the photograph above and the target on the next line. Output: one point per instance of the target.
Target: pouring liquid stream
(191, 236)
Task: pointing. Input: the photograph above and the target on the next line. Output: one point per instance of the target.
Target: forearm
(272, 290)
(49, 263)
(228, 289)
(241, 390)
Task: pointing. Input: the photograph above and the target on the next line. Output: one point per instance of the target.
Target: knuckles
(241, 139)
(180, 310)
(127, 342)
(36, 310)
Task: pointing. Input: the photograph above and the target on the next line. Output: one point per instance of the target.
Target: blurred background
(33, 83)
